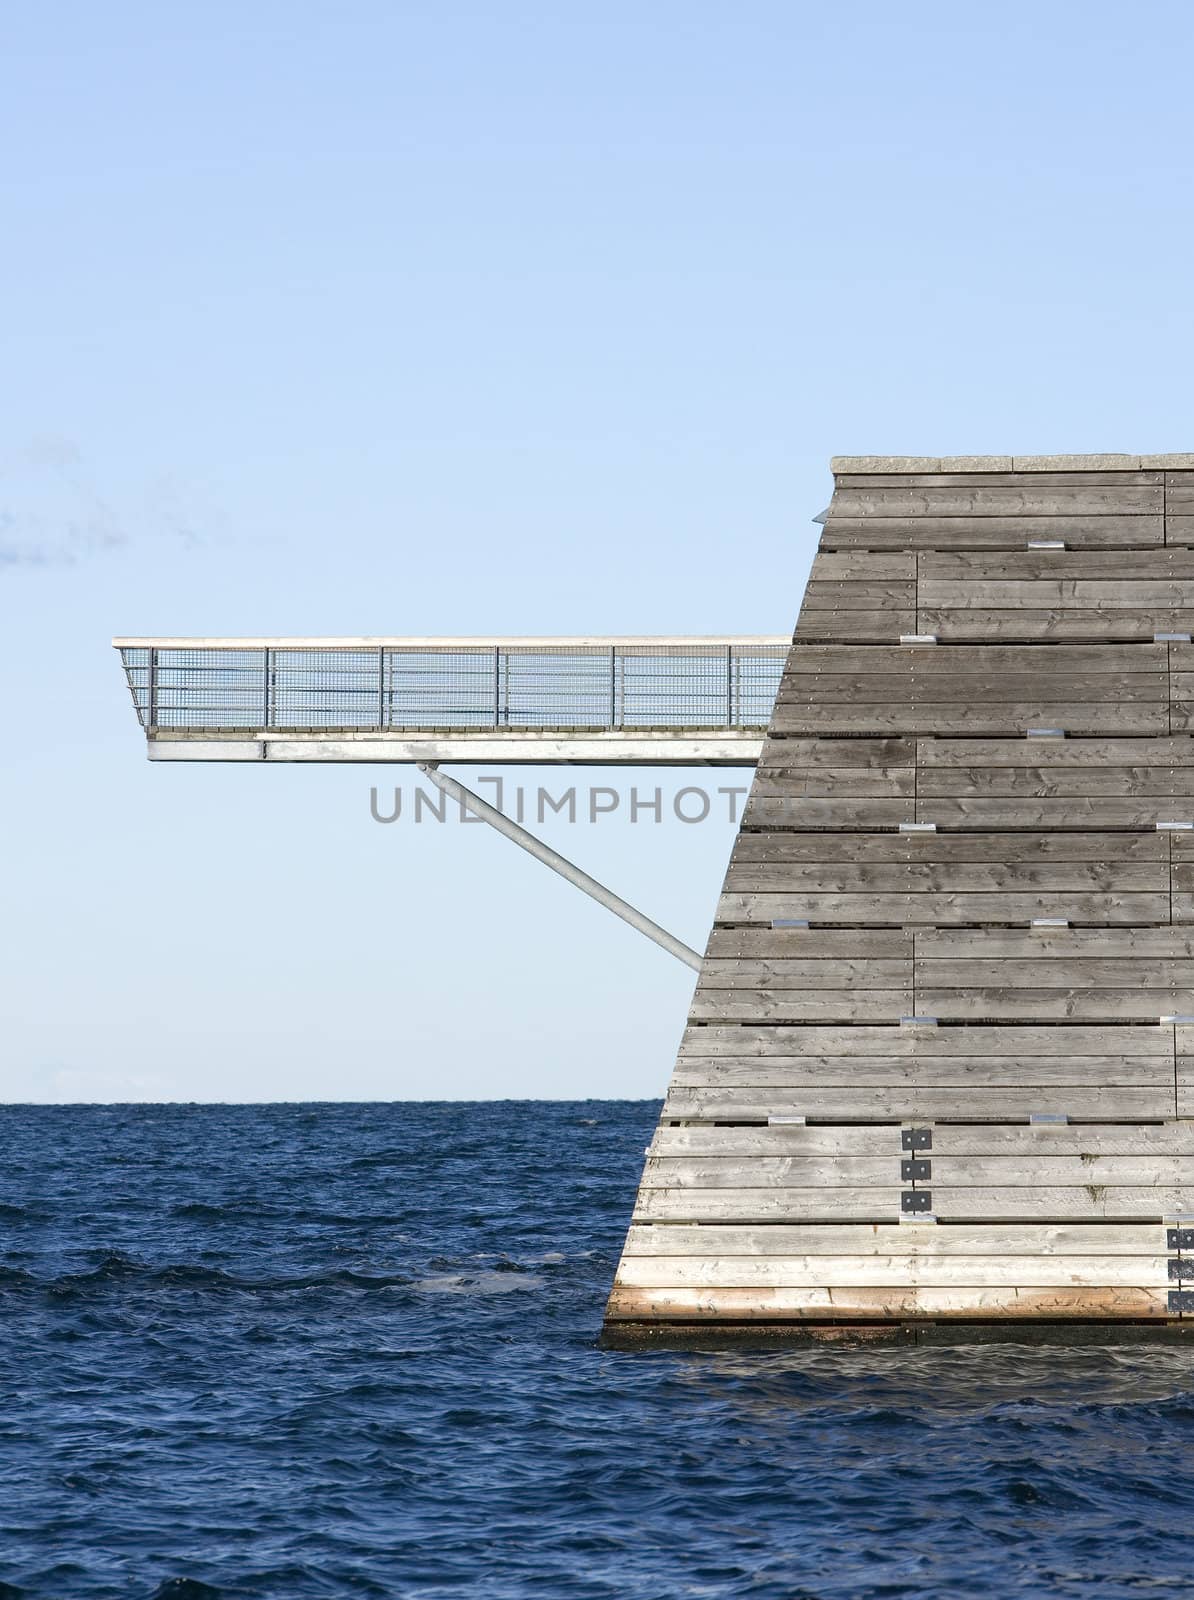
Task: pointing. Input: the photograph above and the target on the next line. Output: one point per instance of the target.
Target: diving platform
(689, 701)
(937, 1076)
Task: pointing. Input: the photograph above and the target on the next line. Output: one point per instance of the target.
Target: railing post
(729, 686)
(266, 696)
(151, 708)
(381, 686)
(613, 686)
(497, 687)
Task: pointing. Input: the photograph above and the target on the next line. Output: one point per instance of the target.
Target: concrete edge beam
(666, 751)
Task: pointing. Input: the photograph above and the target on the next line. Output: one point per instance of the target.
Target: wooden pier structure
(938, 1072)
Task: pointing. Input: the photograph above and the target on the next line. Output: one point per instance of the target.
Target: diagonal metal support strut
(558, 863)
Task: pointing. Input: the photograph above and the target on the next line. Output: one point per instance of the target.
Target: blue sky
(384, 318)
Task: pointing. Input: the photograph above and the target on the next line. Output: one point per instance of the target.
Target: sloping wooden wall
(940, 1057)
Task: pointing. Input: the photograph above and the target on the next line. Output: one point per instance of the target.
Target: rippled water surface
(303, 1351)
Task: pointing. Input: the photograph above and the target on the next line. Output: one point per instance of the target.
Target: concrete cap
(1060, 463)
(1097, 463)
(885, 464)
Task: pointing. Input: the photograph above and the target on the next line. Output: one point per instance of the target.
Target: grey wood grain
(904, 533)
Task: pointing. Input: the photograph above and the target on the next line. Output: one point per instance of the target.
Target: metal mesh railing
(631, 685)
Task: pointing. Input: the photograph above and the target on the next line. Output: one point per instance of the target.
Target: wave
(119, 1270)
(236, 1211)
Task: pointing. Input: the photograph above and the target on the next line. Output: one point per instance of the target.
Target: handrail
(622, 684)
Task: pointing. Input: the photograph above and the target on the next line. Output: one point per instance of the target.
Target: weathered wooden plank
(1099, 1241)
(873, 566)
(1061, 594)
(1095, 753)
(822, 593)
(1083, 782)
(991, 566)
(901, 1271)
(947, 1172)
(893, 945)
(830, 1305)
(910, 532)
(956, 877)
(848, 1305)
(1025, 849)
(1130, 1004)
(835, 755)
(910, 689)
(991, 660)
(1011, 500)
(968, 1039)
(859, 1004)
(960, 626)
(825, 783)
(777, 972)
(916, 1100)
(954, 908)
(771, 811)
(1076, 717)
(781, 1172)
(983, 1139)
(1073, 813)
(863, 627)
(1118, 1202)
(823, 1074)
(962, 972)
(1151, 949)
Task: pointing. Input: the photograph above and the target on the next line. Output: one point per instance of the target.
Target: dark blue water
(349, 1350)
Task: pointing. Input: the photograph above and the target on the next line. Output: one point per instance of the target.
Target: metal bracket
(1181, 1299)
(922, 1200)
(916, 1138)
(1181, 1268)
(915, 1170)
(1179, 1238)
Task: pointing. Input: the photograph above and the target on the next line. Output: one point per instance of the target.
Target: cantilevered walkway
(591, 701)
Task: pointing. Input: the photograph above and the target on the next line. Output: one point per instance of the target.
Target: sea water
(319, 1350)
